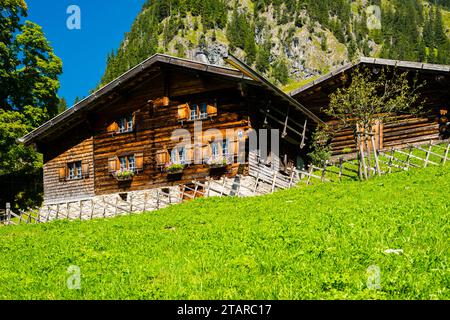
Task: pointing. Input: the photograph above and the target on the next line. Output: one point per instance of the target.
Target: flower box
(174, 168)
(219, 162)
(125, 175)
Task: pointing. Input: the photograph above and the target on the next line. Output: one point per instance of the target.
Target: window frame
(129, 165)
(180, 153)
(126, 124)
(194, 114)
(74, 170)
(203, 115)
(198, 111)
(225, 147)
(215, 146)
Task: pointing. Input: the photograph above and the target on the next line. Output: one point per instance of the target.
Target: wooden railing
(261, 180)
(390, 160)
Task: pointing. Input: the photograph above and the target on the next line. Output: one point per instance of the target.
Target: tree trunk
(377, 163)
(369, 154)
(362, 157)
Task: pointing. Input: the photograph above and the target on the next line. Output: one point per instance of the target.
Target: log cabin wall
(399, 130)
(155, 123)
(118, 139)
(76, 146)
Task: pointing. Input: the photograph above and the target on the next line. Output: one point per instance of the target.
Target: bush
(321, 150)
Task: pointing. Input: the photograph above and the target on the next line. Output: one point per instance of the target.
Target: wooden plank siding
(398, 132)
(155, 125)
(151, 97)
(153, 128)
(76, 146)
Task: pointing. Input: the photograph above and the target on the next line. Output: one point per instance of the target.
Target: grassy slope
(313, 243)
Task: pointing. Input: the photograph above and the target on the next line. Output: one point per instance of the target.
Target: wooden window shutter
(161, 102)
(235, 145)
(211, 110)
(62, 172)
(112, 164)
(134, 120)
(165, 101)
(113, 127)
(183, 112)
(139, 158)
(190, 151)
(85, 170)
(162, 157)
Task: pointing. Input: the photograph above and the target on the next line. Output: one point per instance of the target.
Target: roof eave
(30, 137)
(374, 61)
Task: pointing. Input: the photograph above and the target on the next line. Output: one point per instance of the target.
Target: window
(214, 150)
(194, 112)
(123, 163)
(199, 111)
(203, 110)
(178, 155)
(127, 163)
(130, 123)
(225, 147)
(74, 170)
(131, 163)
(134, 163)
(126, 124)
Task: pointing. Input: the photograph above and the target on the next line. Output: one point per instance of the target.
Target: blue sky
(83, 52)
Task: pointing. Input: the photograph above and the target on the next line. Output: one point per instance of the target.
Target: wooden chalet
(118, 139)
(431, 124)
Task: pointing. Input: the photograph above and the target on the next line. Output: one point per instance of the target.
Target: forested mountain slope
(287, 40)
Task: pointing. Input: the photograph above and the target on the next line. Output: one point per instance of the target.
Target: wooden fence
(107, 207)
(262, 179)
(412, 156)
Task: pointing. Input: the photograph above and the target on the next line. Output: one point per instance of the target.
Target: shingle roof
(372, 61)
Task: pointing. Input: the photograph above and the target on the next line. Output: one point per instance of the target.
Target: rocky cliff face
(301, 49)
(289, 41)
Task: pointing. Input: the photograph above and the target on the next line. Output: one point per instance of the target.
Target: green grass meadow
(303, 243)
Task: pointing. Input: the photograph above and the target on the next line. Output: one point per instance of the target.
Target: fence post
(291, 179)
(341, 167)
(131, 203)
(208, 190)
(274, 181)
(104, 206)
(324, 171)
(92, 208)
(428, 154)
(239, 185)
(157, 199)
(391, 160)
(408, 159)
(145, 201)
(8, 213)
(446, 154)
(310, 171)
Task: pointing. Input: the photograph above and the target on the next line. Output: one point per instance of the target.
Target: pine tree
(263, 57)
(352, 49)
(62, 105)
(281, 71)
